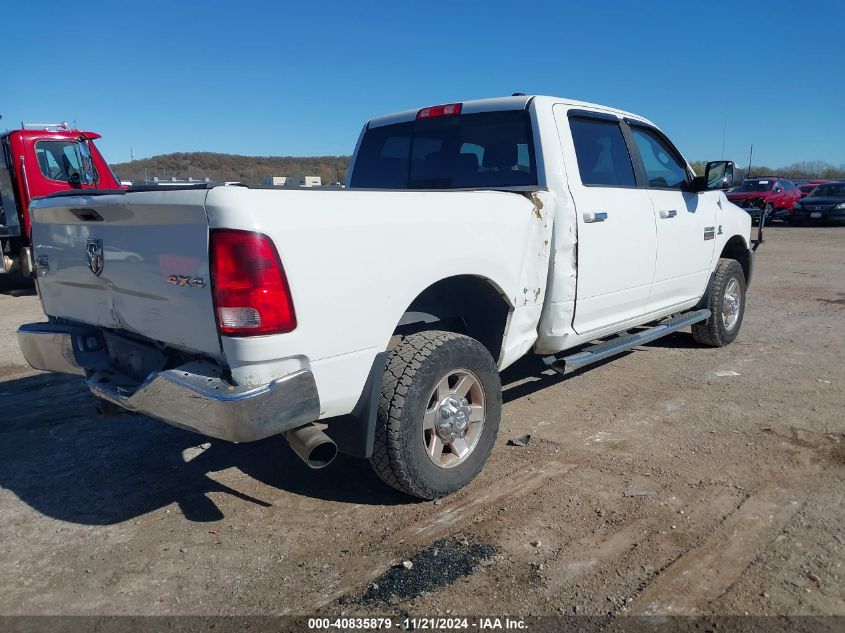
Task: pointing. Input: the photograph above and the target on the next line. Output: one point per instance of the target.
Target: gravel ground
(652, 484)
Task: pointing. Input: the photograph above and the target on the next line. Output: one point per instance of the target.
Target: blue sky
(278, 78)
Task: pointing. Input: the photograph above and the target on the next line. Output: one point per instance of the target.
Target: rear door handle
(597, 216)
(670, 213)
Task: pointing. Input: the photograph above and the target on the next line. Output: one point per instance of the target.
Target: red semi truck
(37, 160)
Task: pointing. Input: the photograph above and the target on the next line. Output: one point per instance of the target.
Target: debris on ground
(438, 565)
(520, 441)
(722, 374)
(634, 492)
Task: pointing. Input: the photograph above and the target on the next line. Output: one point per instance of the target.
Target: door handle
(597, 216)
(670, 213)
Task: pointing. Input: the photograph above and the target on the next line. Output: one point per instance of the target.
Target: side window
(603, 157)
(60, 160)
(663, 169)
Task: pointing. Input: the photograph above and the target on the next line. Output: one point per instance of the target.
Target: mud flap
(354, 433)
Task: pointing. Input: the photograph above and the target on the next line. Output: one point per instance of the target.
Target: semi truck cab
(39, 160)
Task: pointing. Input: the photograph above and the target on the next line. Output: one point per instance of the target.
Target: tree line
(805, 169)
(251, 170)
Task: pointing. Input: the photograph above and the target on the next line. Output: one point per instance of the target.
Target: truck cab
(39, 160)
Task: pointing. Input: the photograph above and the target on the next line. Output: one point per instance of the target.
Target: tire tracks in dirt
(704, 573)
(449, 518)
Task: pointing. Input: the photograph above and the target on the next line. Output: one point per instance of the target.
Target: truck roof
(515, 102)
(58, 134)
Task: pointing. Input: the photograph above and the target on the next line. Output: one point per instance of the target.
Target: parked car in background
(771, 194)
(825, 204)
(807, 187)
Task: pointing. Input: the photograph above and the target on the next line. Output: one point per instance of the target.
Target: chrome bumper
(193, 396)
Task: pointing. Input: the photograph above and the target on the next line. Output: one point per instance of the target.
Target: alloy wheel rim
(731, 304)
(453, 418)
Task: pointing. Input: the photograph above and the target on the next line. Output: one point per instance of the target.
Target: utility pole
(750, 154)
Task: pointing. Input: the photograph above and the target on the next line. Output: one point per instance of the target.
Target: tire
(719, 330)
(422, 372)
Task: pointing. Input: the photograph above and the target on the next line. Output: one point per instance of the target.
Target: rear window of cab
(482, 150)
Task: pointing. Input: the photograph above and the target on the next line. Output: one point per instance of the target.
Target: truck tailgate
(136, 262)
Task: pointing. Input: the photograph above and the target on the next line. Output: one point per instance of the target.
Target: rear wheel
(439, 414)
(727, 306)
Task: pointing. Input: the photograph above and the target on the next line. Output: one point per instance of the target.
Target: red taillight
(251, 294)
(450, 109)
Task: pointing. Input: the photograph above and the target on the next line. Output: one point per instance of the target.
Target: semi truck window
(603, 157)
(60, 160)
(55, 161)
(484, 150)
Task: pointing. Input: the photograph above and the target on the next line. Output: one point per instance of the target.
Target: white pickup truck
(374, 320)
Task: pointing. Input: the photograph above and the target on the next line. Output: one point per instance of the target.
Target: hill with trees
(232, 167)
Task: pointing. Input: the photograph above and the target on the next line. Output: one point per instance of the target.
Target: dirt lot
(651, 485)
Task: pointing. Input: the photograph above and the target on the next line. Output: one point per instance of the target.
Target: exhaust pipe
(312, 446)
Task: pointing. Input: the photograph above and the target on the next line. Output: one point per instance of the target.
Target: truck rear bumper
(193, 396)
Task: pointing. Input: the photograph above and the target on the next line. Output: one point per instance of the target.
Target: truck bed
(354, 260)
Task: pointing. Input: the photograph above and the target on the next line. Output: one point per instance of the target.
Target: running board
(624, 342)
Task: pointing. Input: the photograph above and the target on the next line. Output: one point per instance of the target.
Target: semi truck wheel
(727, 306)
(439, 413)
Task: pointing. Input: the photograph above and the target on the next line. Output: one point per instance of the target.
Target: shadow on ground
(67, 462)
(16, 285)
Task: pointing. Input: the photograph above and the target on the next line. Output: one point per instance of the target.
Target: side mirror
(719, 174)
(778, 189)
(74, 180)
